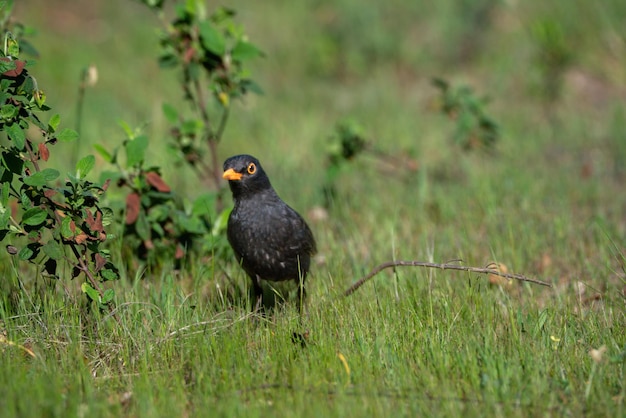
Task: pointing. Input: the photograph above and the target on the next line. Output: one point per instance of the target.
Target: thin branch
(80, 258)
(446, 266)
(203, 325)
(222, 125)
(83, 266)
(21, 347)
(31, 153)
(201, 103)
(213, 141)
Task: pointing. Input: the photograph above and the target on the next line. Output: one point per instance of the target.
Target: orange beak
(231, 174)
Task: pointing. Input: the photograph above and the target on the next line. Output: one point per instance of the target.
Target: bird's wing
(290, 231)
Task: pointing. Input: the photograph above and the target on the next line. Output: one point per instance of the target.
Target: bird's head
(245, 175)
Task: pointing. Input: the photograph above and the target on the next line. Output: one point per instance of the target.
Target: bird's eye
(251, 168)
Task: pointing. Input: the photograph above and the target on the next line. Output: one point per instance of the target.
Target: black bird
(271, 240)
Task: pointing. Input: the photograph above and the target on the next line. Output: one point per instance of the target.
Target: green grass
(549, 203)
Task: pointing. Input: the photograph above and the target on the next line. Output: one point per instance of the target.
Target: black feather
(270, 239)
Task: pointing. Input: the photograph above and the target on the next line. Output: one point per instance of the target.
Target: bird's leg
(300, 337)
(301, 289)
(301, 295)
(258, 293)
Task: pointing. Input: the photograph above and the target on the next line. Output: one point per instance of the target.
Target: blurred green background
(554, 72)
(371, 61)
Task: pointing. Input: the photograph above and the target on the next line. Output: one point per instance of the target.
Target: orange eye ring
(251, 168)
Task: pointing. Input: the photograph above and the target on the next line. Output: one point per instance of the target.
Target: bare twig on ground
(446, 266)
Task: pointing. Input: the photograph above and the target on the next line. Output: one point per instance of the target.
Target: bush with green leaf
(210, 52)
(474, 128)
(47, 219)
(347, 143)
(158, 224)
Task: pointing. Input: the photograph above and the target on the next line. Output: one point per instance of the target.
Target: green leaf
(90, 292)
(67, 135)
(136, 150)
(5, 217)
(30, 251)
(17, 135)
(7, 65)
(8, 111)
(4, 195)
(245, 51)
(12, 162)
(158, 229)
(212, 39)
(26, 253)
(108, 296)
(191, 225)
(107, 216)
(106, 155)
(109, 274)
(26, 202)
(171, 114)
(34, 216)
(53, 250)
(6, 176)
(40, 178)
(130, 134)
(28, 86)
(12, 47)
(84, 166)
(66, 229)
(72, 180)
(53, 123)
(143, 227)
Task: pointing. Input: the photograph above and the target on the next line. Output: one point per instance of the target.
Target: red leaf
(90, 220)
(19, 67)
(189, 54)
(95, 224)
(100, 262)
(44, 153)
(157, 182)
(81, 238)
(98, 226)
(133, 205)
(179, 252)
